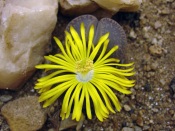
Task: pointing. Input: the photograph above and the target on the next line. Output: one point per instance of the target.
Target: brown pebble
(154, 65)
(146, 57)
(24, 114)
(134, 117)
(147, 68)
(139, 121)
(155, 50)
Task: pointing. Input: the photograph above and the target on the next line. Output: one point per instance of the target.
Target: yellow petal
(91, 37)
(51, 100)
(51, 66)
(67, 98)
(75, 50)
(54, 80)
(83, 37)
(88, 106)
(105, 97)
(118, 80)
(125, 65)
(61, 48)
(117, 87)
(71, 101)
(77, 41)
(69, 52)
(108, 54)
(60, 62)
(59, 89)
(100, 109)
(50, 75)
(105, 45)
(110, 93)
(99, 44)
(76, 111)
(44, 89)
(114, 71)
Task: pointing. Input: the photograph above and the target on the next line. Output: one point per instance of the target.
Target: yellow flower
(85, 73)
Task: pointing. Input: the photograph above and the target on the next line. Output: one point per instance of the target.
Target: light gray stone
(127, 107)
(132, 34)
(25, 31)
(5, 98)
(157, 25)
(136, 128)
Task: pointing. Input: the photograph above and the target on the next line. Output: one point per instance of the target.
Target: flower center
(84, 70)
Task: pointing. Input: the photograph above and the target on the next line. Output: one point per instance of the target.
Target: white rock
(127, 107)
(157, 24)
(25, 31)
(116, 5)
(1, 5)
(132, 34)
(77, 7)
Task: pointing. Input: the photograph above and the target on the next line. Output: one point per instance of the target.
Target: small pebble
(145, 127)
(151, 121)
(154, 41)
(162, 81)
(51, 129)
(5, 98)
(146, 57)
(127, 129)
(165, 12)
(147, 87)
(157, 25)
(155, 110)
(154, 65)
(132, 34)
(87, 129)
(139, 121)
(127, 107)
(134, 117)
(136, 128)
(147, 68)
(156, 50)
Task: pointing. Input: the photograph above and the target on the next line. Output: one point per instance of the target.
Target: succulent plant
(84, 71)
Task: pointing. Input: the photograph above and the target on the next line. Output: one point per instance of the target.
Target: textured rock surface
(25, 31)
(77, 7)
(24, 114)
(116, 5)
(1, 5)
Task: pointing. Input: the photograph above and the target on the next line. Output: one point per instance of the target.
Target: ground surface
(151, 45)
